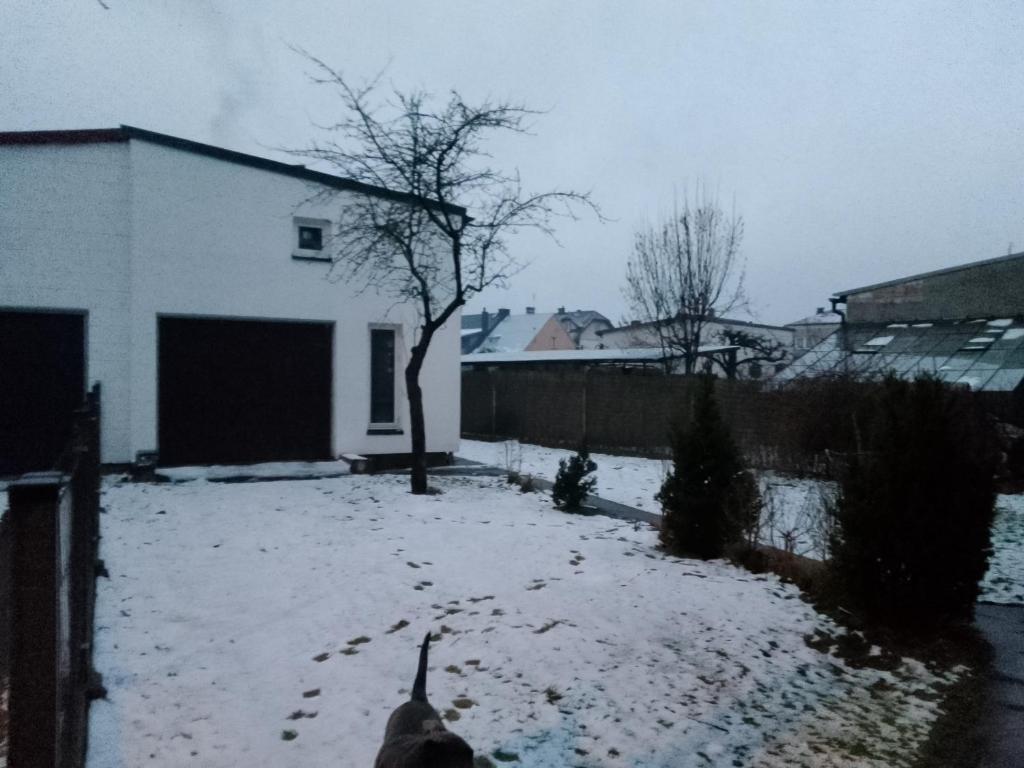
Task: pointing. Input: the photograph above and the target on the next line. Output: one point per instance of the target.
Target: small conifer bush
(915, 508)
(708, 499)
(572, 484)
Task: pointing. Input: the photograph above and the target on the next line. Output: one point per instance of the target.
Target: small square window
(311, 238)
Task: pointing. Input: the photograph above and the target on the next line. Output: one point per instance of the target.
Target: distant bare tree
(757, 349)
(685, 271)
(439, 235)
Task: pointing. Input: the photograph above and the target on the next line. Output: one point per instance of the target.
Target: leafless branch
(438, 231)
(685, 271)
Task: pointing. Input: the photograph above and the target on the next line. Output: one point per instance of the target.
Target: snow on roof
(819, 318)
(951, 350)
(710, 320)
(580, 355)
(514, 333)
(581, 318)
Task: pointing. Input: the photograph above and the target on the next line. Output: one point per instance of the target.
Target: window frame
(311, 254)
(393, 427)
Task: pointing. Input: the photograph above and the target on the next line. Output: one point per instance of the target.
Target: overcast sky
(860, 141)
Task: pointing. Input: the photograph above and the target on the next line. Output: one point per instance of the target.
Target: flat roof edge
(934, 273)
(77, 136)
(126, 132)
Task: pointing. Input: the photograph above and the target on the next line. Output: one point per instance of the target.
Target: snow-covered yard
(1004, 582)
(634, 481)
(240, 614)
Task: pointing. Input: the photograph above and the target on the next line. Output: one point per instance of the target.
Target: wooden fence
(793, 429)
(632, 412)
(54, 531)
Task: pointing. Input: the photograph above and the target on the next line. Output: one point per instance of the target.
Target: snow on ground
(1004, 582)
(267, 470)
(632, 480)
(791, 522)
(626, 479)
(238, 614)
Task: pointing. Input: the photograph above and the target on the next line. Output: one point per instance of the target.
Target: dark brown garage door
(42, 382)
(240, 391)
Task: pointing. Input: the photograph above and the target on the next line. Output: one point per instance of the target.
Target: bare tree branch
(441, 235)
(683, 272)
(757, 349)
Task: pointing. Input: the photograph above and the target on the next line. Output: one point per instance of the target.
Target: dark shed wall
(981, 291)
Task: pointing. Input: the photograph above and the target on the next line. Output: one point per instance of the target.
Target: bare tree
(439, 233)
(757, 349)
(683, 272)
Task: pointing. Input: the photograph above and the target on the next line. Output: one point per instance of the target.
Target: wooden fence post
(39, 516)
(583, 409)
(494, 403)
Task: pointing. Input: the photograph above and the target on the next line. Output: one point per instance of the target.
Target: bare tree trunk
(417, 425)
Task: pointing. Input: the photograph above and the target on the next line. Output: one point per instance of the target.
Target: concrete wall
(981, 291)
(132, 231)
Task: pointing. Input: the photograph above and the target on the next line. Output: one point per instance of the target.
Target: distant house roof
(581, 318)
(632, 354)
(818, 318)
(713, 319)
(126, 132)
(933, 273)
(984, 354)
(514, 333)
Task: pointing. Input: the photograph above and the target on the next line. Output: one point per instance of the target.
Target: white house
(190, 282)
(715, 332)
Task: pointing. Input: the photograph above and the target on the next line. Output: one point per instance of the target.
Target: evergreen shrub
(915, 508)
(709, 499)
(572, 484)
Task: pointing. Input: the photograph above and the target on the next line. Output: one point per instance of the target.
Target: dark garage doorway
(42, 382)
(243, 391)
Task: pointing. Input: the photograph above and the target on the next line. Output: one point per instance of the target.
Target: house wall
(809, 335)
(645, 336)
(589, 336)
(551, 336)
(979, 291)
(65, 247)
(205, 238)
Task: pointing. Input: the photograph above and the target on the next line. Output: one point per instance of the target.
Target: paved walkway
(599, 506)
(594, 505)
(1003, 722)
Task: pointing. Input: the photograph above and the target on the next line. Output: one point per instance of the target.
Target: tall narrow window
(382, 376)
